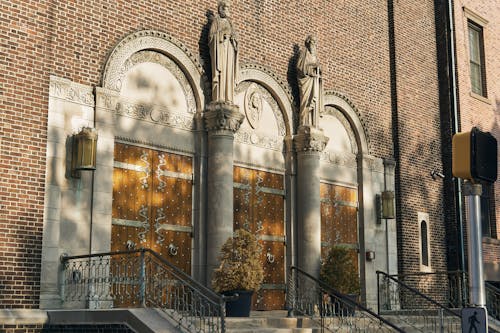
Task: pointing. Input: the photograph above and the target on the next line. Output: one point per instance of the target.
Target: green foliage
(339, 270)
(240, 264)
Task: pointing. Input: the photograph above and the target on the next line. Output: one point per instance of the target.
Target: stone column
(222, 120)
(309, 143)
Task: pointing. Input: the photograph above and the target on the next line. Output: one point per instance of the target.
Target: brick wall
(73, 39)
(418, 134)
(481, 112)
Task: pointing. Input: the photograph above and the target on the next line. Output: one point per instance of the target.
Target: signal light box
(474, 156)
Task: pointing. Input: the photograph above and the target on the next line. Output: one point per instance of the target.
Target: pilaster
(222, 120)
(309, 143)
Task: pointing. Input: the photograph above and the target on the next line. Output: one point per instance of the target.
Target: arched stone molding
(277, 88)
(342, 103)
(162, 42)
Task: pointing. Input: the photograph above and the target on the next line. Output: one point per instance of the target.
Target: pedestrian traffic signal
(474, 156)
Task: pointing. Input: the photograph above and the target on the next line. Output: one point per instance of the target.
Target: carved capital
(223, 116)
(309, 138)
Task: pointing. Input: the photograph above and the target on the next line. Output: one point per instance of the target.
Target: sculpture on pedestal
(223, 44)
(310, 84)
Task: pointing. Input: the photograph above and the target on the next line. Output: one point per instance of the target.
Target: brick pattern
(482, 113)
(73, 40)
(418, 133)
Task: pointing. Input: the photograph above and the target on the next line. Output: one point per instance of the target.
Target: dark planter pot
(241, 306)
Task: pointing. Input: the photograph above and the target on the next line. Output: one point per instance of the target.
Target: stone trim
(161, 42)
(70, 91)
(223, 117)
(358, 125)
(276, 87)
(310, 139)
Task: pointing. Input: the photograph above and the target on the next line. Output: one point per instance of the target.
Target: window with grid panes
(476, 56)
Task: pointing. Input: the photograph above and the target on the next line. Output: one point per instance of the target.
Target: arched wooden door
(259, 208)
(152, 205)
(339, 219)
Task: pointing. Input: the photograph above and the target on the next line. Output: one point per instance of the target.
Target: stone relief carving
(334, 112)
(253, 137)
(333, 95)
(265, 96)
(156, 57)
(70, 91)
(267, 78)
(223, 45)
(310, 82)
(253, 105)
(150, 39)
(153, 113)
(249, 137)
(223, 117)
(310, 139)
(373, 163)
(342, 159)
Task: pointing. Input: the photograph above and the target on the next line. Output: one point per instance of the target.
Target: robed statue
(223, 44)
(310, 84)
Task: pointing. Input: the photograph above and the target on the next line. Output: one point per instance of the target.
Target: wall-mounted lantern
(84, 151)
(388, 205)
(385, 206)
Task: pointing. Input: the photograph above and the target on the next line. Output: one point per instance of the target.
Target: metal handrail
(405, 302)
(142, 278)
(307, 297)
(419, 294)
(493, 300)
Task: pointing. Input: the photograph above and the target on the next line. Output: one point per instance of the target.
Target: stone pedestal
(309, 143)
(221, 121)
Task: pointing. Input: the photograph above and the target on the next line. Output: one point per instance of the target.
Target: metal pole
(475, 248)
(142, 280)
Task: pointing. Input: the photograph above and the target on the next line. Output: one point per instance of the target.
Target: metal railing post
(441, 320)
(142, 280)
(378, 293)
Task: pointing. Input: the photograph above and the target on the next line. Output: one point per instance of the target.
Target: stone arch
(348, 109)
(277, 88)
(160, 42)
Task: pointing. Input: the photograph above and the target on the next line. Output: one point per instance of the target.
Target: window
(424, 245)
(477, 63)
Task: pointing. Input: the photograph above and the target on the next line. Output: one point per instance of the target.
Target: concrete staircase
(270, 322)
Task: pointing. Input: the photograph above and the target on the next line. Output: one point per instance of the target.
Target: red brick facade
(382, 57)
(482, 112)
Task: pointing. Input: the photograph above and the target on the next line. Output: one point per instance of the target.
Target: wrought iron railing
(493, 300)
(406, 304)
(141, 278)
(333, 311)
(451, 288)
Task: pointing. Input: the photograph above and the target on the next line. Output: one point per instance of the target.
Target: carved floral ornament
(167, 46)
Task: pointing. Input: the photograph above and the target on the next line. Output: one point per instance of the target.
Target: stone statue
(310, 84)
(223, 44)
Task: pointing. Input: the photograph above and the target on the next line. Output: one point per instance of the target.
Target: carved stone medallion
(253, 105)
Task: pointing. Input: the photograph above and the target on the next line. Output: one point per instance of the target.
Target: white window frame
(424, 217)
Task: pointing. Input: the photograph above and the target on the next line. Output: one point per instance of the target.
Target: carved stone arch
(277, 88)
(160, 42)
(342, 103)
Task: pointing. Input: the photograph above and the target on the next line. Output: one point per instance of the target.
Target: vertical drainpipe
(455, 128)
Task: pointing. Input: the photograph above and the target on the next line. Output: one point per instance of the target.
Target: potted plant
(240, 272)
(340, 272)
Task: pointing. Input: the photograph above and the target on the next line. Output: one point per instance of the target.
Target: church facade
(213, 120)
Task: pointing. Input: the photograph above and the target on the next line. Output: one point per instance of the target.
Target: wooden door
(339, 218)
(259, 208)
(152, 207)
